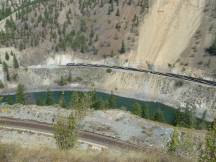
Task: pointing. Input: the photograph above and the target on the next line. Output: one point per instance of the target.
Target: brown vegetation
(13, 153)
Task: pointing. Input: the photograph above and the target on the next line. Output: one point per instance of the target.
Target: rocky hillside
(104, 28)
(175, 36)
(167, 35)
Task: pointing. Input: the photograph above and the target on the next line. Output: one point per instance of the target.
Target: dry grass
(14, 153)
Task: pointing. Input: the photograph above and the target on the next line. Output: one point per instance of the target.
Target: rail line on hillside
(170, 75)
(92, 137)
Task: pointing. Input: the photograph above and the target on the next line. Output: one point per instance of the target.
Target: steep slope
(159, 35)
(167, 31)
(174, 37)
(98, 29)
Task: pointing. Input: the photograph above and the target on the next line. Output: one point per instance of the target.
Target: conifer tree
(49, 100)
(5, 68)
(112, 101)
(159, 116)
(20, 97)
(122, 50)
(146, 113)
(62, 100)
(15, 62)
(136, 109)
(7, 56)
(118, 12)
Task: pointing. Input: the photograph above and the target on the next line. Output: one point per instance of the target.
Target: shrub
(209, 153)
(212, 49)
(172, 145)
(65, 132)
(159, 116)
(179, 84)
(136, 109)
(109, 70)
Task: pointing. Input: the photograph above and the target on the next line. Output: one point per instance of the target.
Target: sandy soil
(166, 31)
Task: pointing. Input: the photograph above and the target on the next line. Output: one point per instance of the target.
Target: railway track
(170, 75)
(99, 139)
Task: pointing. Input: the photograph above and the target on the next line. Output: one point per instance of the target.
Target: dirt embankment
(167, 31)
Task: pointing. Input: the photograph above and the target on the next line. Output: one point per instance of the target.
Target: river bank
(142, 86)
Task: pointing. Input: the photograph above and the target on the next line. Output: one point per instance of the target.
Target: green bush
(212, 49)
(172, 145)
(136, 109)
(65, 132)
(209, 153)
(109, 70)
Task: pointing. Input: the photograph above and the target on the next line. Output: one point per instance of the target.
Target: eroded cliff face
(166, 31)
(170, 91)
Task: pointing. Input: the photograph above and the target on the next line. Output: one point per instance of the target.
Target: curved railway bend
(171, 75)
(90, 137)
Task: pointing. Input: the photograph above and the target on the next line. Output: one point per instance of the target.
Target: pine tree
(136, 109)
(93, 98)
(62, 82)
(62, 100)
(49, 100)
(7, 56)
(20, 97)
(118, 12)
(5, 69)
(77, 105)
(69, 77)
(159, 116)
(81, 102)
(146, 113)
(15, 62)
(112, 101)
(122, 50)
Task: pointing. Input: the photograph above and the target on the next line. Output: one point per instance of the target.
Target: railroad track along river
(47, 129)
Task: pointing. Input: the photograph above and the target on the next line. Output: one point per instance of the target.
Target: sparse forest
(61, 26)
